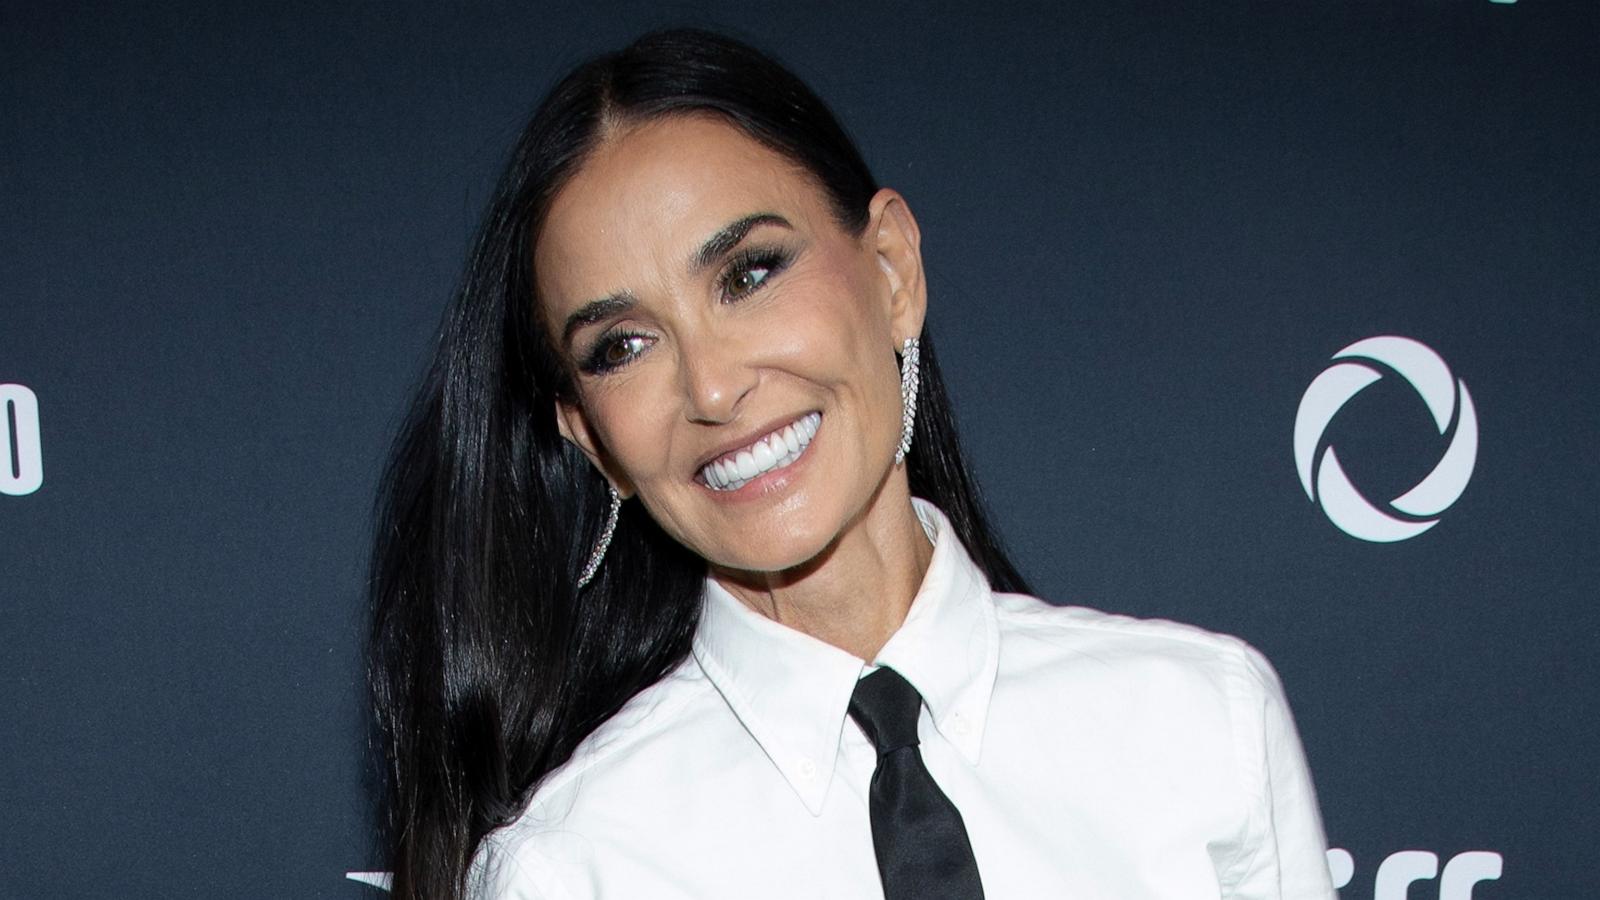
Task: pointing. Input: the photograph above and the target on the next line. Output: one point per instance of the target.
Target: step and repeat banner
(1276, 318)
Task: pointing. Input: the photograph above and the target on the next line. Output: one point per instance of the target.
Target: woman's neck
(856, 592)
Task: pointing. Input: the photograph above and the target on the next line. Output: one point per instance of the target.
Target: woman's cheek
(637, 411)
(827, 321)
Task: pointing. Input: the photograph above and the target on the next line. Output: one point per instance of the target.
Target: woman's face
(712, 310)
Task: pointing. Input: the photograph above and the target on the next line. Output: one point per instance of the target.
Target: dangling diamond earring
(909, 352)
(600, 546)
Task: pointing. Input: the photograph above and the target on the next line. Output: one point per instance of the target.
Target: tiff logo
(1400, 870)
(21, 465)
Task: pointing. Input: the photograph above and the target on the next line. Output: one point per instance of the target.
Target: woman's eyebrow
(712, 250)
(729, 237)
(594, 311)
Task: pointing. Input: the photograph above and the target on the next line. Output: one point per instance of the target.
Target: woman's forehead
(659, 189)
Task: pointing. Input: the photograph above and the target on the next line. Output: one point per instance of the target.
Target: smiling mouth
(777, 450)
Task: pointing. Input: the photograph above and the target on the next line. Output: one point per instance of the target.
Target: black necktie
(921, 843)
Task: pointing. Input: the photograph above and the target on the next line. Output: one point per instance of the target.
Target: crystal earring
(909, 352)
(600, 546)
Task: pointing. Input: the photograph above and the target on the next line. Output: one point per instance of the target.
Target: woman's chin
(784, 562)
(787, 552)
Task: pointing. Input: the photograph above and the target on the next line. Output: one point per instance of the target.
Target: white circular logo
(1326, 483)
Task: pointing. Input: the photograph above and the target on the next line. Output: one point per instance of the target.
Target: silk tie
(917, 833)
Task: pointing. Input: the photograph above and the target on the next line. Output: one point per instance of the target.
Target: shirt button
(808, 769)
(960, 724)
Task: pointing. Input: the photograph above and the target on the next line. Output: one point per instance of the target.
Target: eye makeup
(750, 269)
(746, 272)
(602, 357)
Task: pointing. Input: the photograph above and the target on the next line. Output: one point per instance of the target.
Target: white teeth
(763, 455)
(774, 451)
(746, 463)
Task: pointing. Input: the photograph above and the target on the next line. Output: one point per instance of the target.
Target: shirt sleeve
(1285, 855)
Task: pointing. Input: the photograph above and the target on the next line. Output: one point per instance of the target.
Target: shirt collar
(791, 691)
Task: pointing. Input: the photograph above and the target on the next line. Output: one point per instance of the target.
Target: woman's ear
(574, 426)
(897, 242)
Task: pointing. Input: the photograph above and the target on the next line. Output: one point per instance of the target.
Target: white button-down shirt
(1091, 756)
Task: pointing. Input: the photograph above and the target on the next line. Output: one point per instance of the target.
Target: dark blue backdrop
(227, 232)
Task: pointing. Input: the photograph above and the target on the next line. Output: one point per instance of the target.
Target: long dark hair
(487, 666)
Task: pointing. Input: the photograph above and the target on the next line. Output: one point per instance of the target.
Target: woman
(682, 588)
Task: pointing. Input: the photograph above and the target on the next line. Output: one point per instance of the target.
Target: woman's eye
(612, 353)
(746, 280)
(751, 271)
(620, 351)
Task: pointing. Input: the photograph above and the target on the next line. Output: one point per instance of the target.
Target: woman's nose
(717, 377)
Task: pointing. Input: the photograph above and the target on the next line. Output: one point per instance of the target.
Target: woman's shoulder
(637, 757)
(1209, 701)
(1035, 632)
(630, 738)
(1194, 719)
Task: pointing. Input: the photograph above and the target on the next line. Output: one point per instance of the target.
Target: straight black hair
(487, 665)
